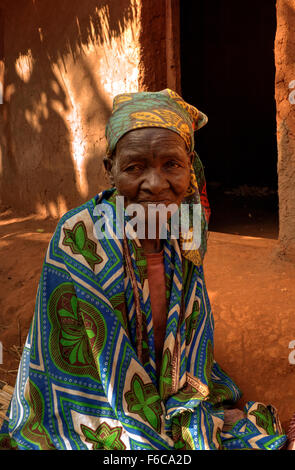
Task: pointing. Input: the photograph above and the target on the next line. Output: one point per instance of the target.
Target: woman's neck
(151, 246)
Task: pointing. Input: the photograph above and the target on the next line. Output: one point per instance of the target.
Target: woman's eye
(133, 168)
(172, 164)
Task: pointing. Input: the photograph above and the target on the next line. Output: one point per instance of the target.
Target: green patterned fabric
(87, 378)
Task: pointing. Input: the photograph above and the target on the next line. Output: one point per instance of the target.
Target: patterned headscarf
(166, 109)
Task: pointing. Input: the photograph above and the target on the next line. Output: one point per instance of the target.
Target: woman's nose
(155, 181)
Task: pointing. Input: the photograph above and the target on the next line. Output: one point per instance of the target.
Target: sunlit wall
(64, 63)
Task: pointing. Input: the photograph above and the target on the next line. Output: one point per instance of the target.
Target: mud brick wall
(285, 91)
(64, 63)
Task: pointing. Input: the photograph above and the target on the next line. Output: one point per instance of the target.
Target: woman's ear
(108, 165)
(191, 156)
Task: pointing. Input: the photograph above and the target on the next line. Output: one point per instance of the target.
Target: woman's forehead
(148, 137)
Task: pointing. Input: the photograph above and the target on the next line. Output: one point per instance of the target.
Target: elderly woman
(120, 351)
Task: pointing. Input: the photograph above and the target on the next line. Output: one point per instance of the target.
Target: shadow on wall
(49, 109)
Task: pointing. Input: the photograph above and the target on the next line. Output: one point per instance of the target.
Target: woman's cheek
(125, 187)
(182, 184)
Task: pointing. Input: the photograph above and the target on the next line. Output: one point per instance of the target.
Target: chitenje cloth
(87, 377)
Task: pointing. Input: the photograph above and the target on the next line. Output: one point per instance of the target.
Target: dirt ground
(251, 291)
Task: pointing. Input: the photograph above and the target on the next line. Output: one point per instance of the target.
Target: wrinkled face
(151, 165)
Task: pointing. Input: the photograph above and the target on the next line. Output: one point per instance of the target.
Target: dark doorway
(228, 71)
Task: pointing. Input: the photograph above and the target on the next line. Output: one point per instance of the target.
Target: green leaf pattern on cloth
(165, 377)
(191, 323)
(104, 437)
(74, 337)
(263, 418)
(78, 331)
(182, 437)
(143, 400)
(79, 243)
(34, 429)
